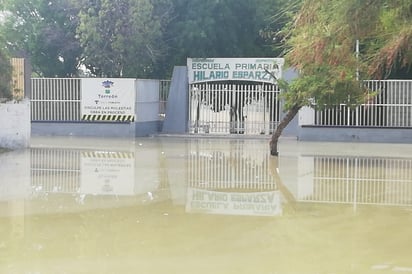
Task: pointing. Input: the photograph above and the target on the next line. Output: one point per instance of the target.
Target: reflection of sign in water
(233, 203)
(107, 173)
(108, 100)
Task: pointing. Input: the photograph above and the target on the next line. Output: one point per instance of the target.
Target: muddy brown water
(189, 205)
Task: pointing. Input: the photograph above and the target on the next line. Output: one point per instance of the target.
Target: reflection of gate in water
(55, 170)
(362, 180)
(233, 108)
(230, 169)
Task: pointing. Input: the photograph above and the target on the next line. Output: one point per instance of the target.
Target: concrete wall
(98, 129)
(15, 124)
(355, 134)
(147, 107)
(147, 100)
(177, 110)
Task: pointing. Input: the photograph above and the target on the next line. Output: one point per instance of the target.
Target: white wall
(147, 100)
(306, 116)
(15, 124)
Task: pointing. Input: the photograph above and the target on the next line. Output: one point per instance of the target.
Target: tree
(122, 37)
(5, 74)
(45, 32)
(392, 38)
(135, 38)
(230, 28)
(320, 44)
(5, 67)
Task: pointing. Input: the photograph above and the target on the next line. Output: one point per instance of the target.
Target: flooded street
(189, 205)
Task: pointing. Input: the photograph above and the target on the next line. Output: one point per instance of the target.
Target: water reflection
(352, 180)
(235, 177)
(231, 178)
(360, 180)
(234, 180)
(164, 205)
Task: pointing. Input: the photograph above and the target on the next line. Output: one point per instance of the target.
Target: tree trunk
(285, 121)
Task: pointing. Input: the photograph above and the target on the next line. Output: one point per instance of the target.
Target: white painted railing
(55, 99)
(390, 105)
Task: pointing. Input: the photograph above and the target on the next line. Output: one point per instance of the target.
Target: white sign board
(108, 99)
(233, 203)
(238, 69)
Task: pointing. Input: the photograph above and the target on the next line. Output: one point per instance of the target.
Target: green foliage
(230, 28)
(5, 75)
(178, 29)
(122, 37)
(137, 38)
(320, 43)
(44, 31)
(390, 49)
(322, 90)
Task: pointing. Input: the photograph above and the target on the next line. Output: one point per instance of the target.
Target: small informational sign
(239, 69)
(110, 100)
(233, 203)
(107, 173)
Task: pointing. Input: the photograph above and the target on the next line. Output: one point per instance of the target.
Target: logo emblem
(107, 84)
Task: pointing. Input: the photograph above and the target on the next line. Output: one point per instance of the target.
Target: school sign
(234, 69)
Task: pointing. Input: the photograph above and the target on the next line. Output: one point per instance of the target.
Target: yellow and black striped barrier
(110, 118)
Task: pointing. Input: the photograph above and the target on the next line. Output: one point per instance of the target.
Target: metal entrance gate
(233, 108)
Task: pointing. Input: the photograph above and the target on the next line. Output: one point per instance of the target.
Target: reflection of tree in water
(274, 170)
